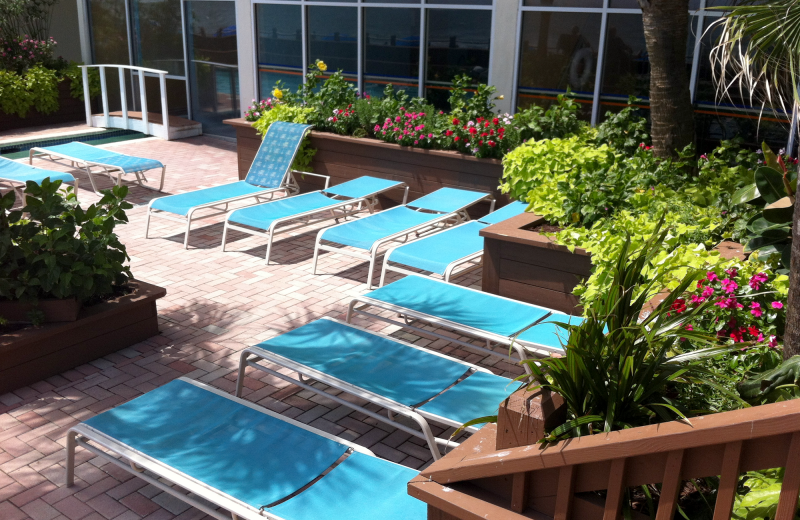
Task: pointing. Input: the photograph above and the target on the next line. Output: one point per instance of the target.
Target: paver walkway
(217, 303)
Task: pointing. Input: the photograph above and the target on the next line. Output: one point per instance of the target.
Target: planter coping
(478, 458)
(143, 293)
(368, 141)
(510, 230)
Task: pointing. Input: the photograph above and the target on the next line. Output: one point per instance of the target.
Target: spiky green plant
(618, 369)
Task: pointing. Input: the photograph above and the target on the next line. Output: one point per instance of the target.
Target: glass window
(626, 68)
(458, 43)
(558, 51)
(563, 3)
(110, 44)
(460, 2)
(391, 50)
(157, 35)
(333, 38)
(392, 1)
(280, 46)
(213, 64)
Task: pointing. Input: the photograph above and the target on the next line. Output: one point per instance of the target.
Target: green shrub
(75, 75)
(37, 88)
(290, 114)
(52, 248)
(624, 131)
(14, 95)
(540, 172)
(42, 84)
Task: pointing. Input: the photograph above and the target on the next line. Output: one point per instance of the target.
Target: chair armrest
(326, 177)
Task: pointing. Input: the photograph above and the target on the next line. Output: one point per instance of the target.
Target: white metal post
(104, 94)
(162, 80)
(423, 39)
(360, 50)
(143, 97)
(87, 102)
(123, 97)
(598, 78)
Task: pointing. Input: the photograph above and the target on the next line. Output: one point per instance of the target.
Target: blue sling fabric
(549, 334)
(249, 455)
(435, 252)
(276, 154)
(364, 232)
(181, 203)
(361, 187)
(262, 216)
(18, 172)
(398, 372)
(460, 305)
(87, 152)
(478, 395)
(447, 200)
(360, 488)
(506, 212)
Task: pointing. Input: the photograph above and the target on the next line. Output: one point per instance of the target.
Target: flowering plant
(746, 308)
(258, 108)
(408, 128)
(20, 53)
(483, 137)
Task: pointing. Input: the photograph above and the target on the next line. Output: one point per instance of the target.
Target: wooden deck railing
(476, 481)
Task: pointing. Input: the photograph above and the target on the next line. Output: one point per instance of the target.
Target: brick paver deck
(217, 303)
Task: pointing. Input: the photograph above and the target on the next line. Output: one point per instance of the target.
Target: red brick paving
(216, 304)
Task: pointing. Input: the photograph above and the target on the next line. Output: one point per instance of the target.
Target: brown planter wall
(527, 266)
(345, 158)
(33, 354)
(69, 109)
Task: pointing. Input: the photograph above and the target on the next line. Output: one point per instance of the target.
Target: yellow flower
(501, 97)
(321, 66)
(277, 93)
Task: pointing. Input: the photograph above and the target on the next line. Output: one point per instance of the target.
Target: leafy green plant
(624, 131)
(466, 105)
(617, 370)
(42, 84)
(779, 384)
(559, 121)
(757, 495)
(290, 114)
(770, 230)
(14, 95)
(75, 75)
(52, 248)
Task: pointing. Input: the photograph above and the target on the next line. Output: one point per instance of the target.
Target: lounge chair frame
(475, 259)
(409, 317)
(137, 463)
(107, 169)
(444, 221)
(343, 209)
(251, 356)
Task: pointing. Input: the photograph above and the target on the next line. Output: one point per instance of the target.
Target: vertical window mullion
(598, 79)
(304, 35)
(360, 51)
(517, 59)
(423, 45)
(698, 42)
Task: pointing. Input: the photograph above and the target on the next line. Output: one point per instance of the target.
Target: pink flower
(697, 299)
(757, 279)
(689, 327)
(711, 276)
(756, 309)
(732, 271)
(773, 341)
(707, 292)
(777, 305)
(729, 286)
(377, 127)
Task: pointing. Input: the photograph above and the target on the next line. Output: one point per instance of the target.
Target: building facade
(220, 54)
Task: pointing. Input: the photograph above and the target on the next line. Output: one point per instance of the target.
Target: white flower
(330, 119)
(335, 111)
(470, 124)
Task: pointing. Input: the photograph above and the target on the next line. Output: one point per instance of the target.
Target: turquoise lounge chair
(526, 328)
(252, 462)
(337, 202)
(435, 210)
(90, 157)
(270, 173)
(16, 175)
(443, 252)
(402, 378)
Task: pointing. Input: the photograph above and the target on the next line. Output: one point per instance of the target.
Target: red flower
(456, 138)
(679, 305)
(480, 143)
(753, 330)
(448, 133)
(472, 130)
(456, 121)
(495, 121)
(492, 144)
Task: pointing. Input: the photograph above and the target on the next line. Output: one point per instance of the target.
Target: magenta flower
(755, 309)
(707, 292)
(711, 276)
(757, 279)
(729, 286)
(777, 305)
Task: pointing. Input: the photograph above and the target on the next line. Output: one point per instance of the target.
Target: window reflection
(391, 50)
(157, 35)
(564, 3)
(458, 43)
(626, 67)
(280, 46)
(213, 64)
(333, 38)
(110, 42)
(558, 51)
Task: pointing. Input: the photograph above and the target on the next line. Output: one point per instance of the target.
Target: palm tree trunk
(666, 26)
(791, 337)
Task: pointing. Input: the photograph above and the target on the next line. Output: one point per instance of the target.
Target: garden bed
(35, 353)
(69, 109)
(525, 265)
(345, 158)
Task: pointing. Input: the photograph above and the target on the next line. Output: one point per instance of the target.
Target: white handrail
(162, 77)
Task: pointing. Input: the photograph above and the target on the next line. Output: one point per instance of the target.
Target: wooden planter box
(345, 158)
(491, 476)
(66, 309)
(32, 354)
(69, 110)
(524, 265)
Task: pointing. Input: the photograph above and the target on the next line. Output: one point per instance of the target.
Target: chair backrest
(273, 162)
